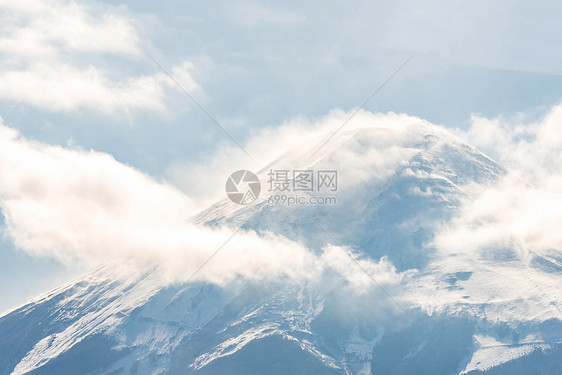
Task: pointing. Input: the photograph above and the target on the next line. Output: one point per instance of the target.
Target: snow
(492, 353)
(467, 311)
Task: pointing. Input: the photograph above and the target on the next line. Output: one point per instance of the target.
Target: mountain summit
(420, 310)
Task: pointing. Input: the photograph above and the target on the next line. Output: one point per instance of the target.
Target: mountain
(443, 313)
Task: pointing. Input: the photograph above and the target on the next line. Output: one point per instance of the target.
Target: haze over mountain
(375, 284)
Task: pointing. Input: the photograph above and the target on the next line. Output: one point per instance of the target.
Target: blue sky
(77, 74)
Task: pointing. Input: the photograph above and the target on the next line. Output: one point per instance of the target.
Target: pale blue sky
(258, 64)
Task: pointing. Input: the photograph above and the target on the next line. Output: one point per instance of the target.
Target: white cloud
(47, 48)
(75, 204)
(66, 88)
(523, 210)
(513, 215)
(78, 203)
(503, 227)
(38, 28)
(295, 140)
(532, 149)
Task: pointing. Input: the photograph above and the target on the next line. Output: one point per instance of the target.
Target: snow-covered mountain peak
(397, 187)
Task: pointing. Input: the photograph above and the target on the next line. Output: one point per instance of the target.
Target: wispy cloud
(292, 140)
(524, 210)
(75, 204)
(506, 236)
(47, 28)
(49, 51)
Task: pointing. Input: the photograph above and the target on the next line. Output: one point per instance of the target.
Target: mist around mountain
(383, 282)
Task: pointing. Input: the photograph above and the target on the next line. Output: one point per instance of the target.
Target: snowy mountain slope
(387, 205)
(465, 313)
(90, 305)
